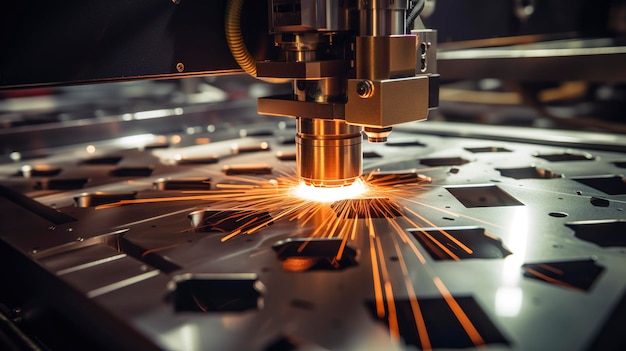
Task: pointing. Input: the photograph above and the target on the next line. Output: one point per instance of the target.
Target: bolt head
(365, 89)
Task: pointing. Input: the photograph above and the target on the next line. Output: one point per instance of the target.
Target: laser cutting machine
(154, 196)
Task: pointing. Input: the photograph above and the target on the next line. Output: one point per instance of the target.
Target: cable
(415, 11)
(236, 44)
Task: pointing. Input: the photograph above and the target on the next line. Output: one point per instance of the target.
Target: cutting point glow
(331, 194)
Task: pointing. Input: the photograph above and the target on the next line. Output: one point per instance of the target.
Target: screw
(365, 89)
(180, 67)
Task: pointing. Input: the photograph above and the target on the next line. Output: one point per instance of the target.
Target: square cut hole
(487, 149)
(309, 254)
(235, 292)
(487, 195)
(459, 243)
(228, 220)
(198, 183)
(443, 161)
(604, 233)
(612, 185)
(439, 326)
(397, 178)
(565, 156)
(577, 275)
(531, 172)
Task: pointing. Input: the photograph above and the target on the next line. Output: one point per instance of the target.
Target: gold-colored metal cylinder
(328, 152)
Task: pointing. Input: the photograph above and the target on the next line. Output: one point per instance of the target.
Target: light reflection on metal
(509, 296)
(328, 195)
(509, 301)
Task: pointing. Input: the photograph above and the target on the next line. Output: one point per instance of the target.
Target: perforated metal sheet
(543, 219)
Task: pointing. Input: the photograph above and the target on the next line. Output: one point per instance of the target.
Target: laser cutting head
(354, 68)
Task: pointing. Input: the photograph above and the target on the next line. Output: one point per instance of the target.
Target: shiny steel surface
(598, 60)
(126, 275)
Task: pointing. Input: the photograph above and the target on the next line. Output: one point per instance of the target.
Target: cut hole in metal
(366, 208)
(159, 144)
(102, 198)
(396, 178)
(458, 243)
(487, 149)
(217, 292)
(613, 185)
(198, 160)
(558, 214)
(286, 156)
(245, 148)
(599, 202)
(483, 196)
(199, 183)
(401, 143)
(307, 254)
(441, 324)
(210, 220)
(38, 171)
(247, 169)
(371, 154)
(528, 173)
(605, 233)
(570, 274)
(443, 161)
(154, 259)
(132, 172)
(620, 164)
(104, 160)
(61, 184)
(255, 133)
(565, 156)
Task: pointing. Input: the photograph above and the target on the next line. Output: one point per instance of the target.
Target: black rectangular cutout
(458, 243)
(216, 292)
(488, 195)
(442, 325)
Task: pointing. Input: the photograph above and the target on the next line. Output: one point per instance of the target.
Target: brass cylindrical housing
(328, 152)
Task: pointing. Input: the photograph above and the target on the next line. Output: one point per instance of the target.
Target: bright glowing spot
(210, 128)
(152, 114)
(509, 301)
(176, 139)
(136, 140)
(91, 149)
(265, 145)
(15, 156)
(322, 194)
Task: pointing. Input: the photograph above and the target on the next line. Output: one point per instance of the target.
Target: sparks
(327, 195)
(253, 205)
